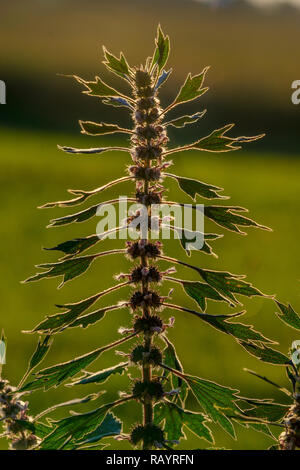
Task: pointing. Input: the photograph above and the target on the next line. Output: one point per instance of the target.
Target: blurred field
(33, 171)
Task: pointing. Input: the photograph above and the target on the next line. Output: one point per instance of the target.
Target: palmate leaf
(191, 89)
(118, 66)
(226, 217)
(101, 128)
(184, 120)
(175, 418)
(193, 187)
(110, 426)
(266, 354)
(215, 399)
(82, 195)
(56, 375)
(70, 431)
(288, 315)
(162, 78)
(101, 376)
(171, 359)
(162, 50)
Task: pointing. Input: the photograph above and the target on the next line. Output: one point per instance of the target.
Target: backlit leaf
(227, 217)
(192, 88)
(101, 128)
(162, 50)
(101, 376)
(118, 66)
(193, 187)
(266, 354)
(184, 120)
(288, 315)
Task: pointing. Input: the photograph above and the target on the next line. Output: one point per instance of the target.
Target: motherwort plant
(162, 386)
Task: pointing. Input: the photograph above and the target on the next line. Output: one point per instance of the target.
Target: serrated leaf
(55, 375)
(117, 102)
(192, 88)
(118, 66)
(76, 246)
(200, 292)
(41, 351)
(81, 216)
(215, 399)
(269, 411)
(70, 431)
(228, 284)
(59, 373)
(91, 318)
(98, 88)
(217, 141)
(227, 217)
(82, 195)
(162, 50)
(91, 150)
(288, 315)
(175, 417)
(110, 426)
(266, 354)
(171, 359)
(40, 430)
(162, 78)
(101, 376)
(74, 310)
(101, 128)
(73, 402)
(184, 120)
(193, 240)
(69, 269)
(193, 187)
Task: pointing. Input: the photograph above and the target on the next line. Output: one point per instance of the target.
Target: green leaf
(110, 426)
(101, 128)
(190, 239)
(272, 412)
(59, 320)
(171, 359)
(81, 216)
(215, 399)
(162, 78)
(40, 430)
(91, 150)
(70, 431)
(226, 217)
(193, 187)
(82, 195)
(118, 66)
(101, 376)
(268, 381)
(192, 88)
(117, 102)
(74, 401)
(162, 50)
(92, 318)
(55, 375)
(77, 245)
(217, 141)
(98, 88)
(69, 269)
(228, 284)
(288, 315)
(175, 417)
(200, 292)
(183, 120)
(40, 353)
(266, 354)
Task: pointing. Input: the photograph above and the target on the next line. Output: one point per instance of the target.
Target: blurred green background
(254, 59)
